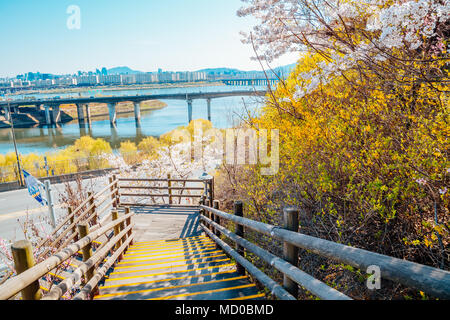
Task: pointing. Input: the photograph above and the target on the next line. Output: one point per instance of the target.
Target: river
(225, 112)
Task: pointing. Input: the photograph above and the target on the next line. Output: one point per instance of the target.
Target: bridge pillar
(189, 101)
(208, 102)
(112, 113)
(7, 114)
(48, 120)
(137, 111)
(82, 131)
(114, 135)
(80, 114)
(38, 107)
(88, 113)
(56, 114)
(138, 130)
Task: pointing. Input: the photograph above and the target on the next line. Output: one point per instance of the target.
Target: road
(16, 205)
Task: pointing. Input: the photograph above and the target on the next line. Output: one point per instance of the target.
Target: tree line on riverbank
(88, 153)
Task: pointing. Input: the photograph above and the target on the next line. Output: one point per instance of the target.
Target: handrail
(313, 285)
(105, 197)
(163, 195)
(274, 287)
(74, 212)
(69, 228)
(57, 228)
(158, 180)
(59, 290)
(18, 283)
(159, 188)
(431, 280)
(107, 188)
(70, 216)
(86, 290)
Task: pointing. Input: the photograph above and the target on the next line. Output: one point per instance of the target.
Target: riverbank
(41, 138)
(29, 117)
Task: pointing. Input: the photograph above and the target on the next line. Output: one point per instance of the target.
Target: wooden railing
(83, 226)
(174, 189)
(27, 281)
(89, 211)
(435, 282)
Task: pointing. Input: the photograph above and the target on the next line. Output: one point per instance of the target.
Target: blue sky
(141, 34)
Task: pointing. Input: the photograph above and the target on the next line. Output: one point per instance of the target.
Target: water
(225, 112)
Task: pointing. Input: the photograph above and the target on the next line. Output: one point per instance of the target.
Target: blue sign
(35, 188)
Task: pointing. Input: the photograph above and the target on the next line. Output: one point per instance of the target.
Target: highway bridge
(52, 108)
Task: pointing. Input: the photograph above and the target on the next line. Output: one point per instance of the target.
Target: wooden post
(83, 231)
(122, 227)
(72, 220)
(93, 210)
(202, 203)
(239, 211)
(128, 222)
(211, 191)
(169, 186)
(216, 205)
(208, 214)
(111, 190)
(115, 216)
(290, 252)
(116, 194)
(22, 252)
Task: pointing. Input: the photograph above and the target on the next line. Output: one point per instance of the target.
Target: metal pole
(15, 145)
(51, 210)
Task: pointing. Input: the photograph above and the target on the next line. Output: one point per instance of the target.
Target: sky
(174, 35)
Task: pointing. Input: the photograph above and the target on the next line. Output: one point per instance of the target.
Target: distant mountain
(218, 71)
(283, 70)
(123, 70)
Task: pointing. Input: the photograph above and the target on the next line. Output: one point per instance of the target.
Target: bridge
(250, 82)
(166, 238)
(53, 111)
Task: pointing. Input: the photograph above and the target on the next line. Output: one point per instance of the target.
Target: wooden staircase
(181, 269)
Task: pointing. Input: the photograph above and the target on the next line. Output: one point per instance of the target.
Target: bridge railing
(433, 281)
(164, 191)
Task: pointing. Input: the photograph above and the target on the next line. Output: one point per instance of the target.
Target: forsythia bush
(90, 154)
(85, 154)
(363, 123)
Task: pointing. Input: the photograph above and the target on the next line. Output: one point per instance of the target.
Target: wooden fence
(81, 226)
(435, 282)
(165, 191)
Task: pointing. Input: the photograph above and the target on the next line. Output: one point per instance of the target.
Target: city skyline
(144, 36)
